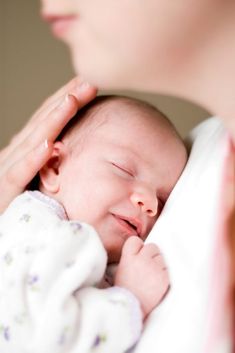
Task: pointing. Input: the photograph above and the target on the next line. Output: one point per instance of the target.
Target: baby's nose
(146, 200)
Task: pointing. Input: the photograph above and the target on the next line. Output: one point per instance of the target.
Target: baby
(101, 192)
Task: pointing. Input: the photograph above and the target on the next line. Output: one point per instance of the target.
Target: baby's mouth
(130, 225)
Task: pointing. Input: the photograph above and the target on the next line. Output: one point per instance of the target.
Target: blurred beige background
(33, 64)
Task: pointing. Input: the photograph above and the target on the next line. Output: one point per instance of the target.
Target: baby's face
(119, 181)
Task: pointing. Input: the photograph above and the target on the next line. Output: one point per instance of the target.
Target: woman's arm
(29, 150)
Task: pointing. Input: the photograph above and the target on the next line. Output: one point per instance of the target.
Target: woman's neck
(206, 75)
(211, 81)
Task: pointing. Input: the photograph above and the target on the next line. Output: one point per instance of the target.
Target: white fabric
(186, 234)
(48, 271)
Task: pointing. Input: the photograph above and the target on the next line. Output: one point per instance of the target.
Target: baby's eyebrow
(125, 152)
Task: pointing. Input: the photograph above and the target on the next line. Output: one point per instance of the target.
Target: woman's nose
(146, 200)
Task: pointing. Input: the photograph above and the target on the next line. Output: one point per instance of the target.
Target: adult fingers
(42, 111)
(19, 161)
(21, 165)
(49, 129)
(55, 120)
(62, 91)
(14, 181)
(83, 91)
(84, 94)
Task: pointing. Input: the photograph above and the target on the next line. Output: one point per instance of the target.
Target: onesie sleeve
(49, 301)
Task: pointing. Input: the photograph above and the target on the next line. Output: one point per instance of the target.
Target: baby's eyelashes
(143, 195)
(123, 169)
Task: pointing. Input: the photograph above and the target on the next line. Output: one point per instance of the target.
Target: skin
(120, 179)
(120, 176)
(175, 47)
(187, 50)
(31, 148)
(183, 48)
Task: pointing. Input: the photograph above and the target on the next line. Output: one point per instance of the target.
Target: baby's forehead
(122, 108)
(126, 104)
(111, 112)
(108, 114)
(120, 119)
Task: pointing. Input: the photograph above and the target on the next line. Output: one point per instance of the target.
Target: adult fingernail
(46, 144)
(42, 147)
(64, 101)
(84, 86)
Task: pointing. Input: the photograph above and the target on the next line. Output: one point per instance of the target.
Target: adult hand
(30, 149)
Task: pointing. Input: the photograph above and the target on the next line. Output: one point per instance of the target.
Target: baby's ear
(51, 172)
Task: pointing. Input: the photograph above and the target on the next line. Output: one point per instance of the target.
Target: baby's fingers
(16, 178)
(151, 250)
(132, 246)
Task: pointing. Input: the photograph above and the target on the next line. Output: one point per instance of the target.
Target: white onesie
(49, 270)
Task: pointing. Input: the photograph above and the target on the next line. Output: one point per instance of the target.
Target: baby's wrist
(121, 285)
(125, 296)
(132, 298)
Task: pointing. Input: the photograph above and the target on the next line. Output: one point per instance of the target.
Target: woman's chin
(101, 74)
(103, 79)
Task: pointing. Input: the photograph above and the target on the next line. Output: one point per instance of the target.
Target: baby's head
(114, 167)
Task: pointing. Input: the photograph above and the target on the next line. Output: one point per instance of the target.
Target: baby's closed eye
(123, 169)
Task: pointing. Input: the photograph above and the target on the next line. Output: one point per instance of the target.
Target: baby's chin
(114, 258)
(114, 253)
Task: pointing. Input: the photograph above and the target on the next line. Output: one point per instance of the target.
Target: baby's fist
(142, 270)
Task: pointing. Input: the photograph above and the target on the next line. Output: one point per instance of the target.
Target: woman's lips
(59, 24)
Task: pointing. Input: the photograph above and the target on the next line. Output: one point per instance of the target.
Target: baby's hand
(142, 271)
